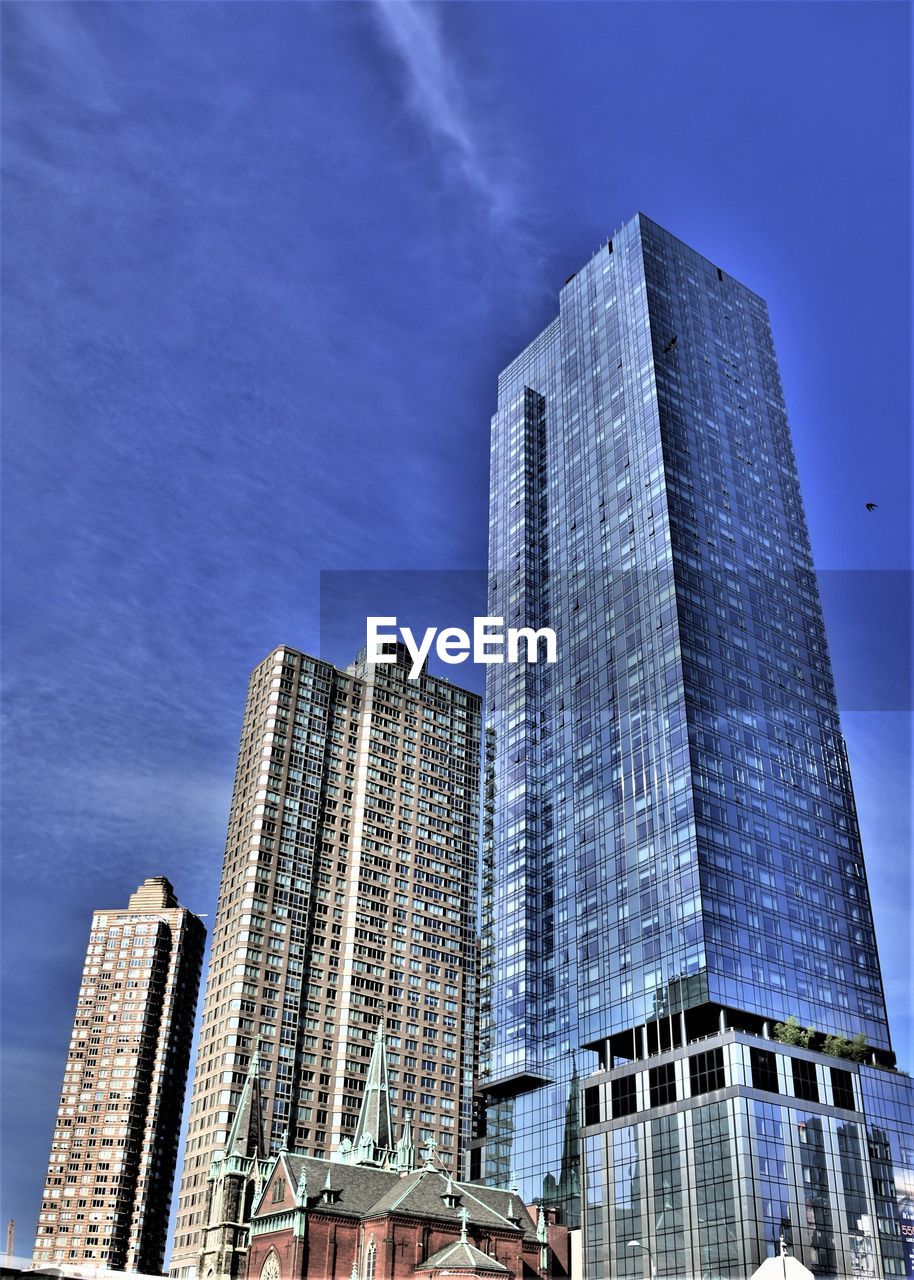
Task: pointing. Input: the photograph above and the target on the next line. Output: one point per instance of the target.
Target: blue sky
(262, 265)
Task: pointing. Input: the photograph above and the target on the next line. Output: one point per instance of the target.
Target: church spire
(570, 1172)
(246, 1134)
(405, 1159)
(373, 1141)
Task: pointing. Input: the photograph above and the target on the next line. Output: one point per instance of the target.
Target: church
(372, 1212)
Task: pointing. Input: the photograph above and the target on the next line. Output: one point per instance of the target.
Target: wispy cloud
(436, 92)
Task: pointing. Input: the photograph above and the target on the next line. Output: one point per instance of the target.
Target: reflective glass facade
(752, 1141)
(670, 841)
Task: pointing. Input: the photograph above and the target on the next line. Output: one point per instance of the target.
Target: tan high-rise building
(348, 898)
(112, 1165)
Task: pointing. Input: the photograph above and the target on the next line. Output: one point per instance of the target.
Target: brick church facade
(321, 1220)
(367, 1214)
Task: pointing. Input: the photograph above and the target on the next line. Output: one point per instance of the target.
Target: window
(371, 1258)
(624, 1096)
(706, 1071)
(805, 1084)
(592, 1105)
(270, 1269)
(842, 1087)
(662, 1082)
(764, 1070)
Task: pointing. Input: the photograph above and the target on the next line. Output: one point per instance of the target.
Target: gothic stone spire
(246, 1135)
(374, 1140)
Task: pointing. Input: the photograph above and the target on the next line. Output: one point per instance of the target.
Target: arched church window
(371, 1260)
(270, 1269)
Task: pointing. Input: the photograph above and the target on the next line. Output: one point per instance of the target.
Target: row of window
(707, 1073)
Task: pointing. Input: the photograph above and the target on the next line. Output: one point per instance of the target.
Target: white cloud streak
(437, 97)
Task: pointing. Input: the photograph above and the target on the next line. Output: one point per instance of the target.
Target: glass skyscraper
(672, 859)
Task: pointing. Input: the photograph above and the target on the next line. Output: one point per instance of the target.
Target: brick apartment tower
(115, 1145)
(348, 898)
